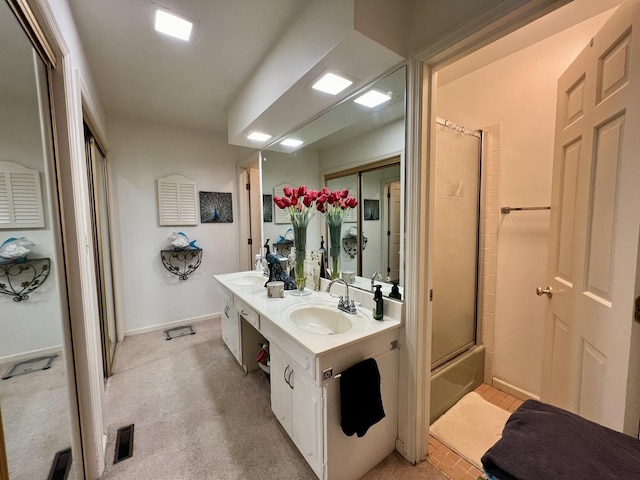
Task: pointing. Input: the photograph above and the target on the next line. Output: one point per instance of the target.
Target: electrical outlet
(327, 373)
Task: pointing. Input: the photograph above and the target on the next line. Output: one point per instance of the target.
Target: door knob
(544, 291)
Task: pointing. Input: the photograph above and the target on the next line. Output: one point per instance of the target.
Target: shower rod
(506, 210)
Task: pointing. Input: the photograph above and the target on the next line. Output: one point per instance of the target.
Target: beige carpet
(35, 416)
(470, 427)
(197, 416)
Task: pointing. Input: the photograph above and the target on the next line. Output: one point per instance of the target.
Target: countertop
(271, 309)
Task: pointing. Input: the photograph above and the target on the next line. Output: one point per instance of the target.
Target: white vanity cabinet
(296, 401)
(305, 375)
(240, 330)
(230, 323)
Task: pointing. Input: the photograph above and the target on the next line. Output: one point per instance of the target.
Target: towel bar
(394, 347)
(505, 210)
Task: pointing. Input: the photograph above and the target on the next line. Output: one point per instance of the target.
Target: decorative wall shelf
(182, 262)
(350, 245)
(18, 278)
(283, 248)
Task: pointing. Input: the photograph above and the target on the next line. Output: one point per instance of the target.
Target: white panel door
(595, 224)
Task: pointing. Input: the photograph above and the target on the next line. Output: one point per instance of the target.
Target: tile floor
(452, 464)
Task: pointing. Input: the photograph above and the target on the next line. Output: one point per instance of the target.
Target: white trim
(86, 359)
(513, 390)
(486, 28)
(169, 325)
(42, 352)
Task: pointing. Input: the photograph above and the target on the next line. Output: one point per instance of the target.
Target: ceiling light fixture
(171, 24)
(291, 142)
(373, 98)
(331, 83)
(258, 136)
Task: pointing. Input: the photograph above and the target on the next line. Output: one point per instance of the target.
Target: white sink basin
(248, 279)
(324, 318)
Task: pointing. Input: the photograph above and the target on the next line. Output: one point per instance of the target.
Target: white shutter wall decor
(20, 197)
(177, 201)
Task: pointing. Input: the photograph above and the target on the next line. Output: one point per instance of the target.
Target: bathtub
(453, 380)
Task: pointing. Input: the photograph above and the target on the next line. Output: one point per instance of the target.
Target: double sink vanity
(311, 342)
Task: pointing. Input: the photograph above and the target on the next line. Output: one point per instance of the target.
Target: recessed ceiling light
(291, 142)
(373, 98)
(258, 136)
(173, 25)
(331, 83)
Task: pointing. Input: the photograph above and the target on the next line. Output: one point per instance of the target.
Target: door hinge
(248, 185)
(388, 194)
(431, 295)
(249, 241)
(637, 315)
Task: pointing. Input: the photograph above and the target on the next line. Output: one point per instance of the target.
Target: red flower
(344, 193)
(307, 200)
(287, 191)
(324, 191)
(302, 190)
(294, 200)
(351, 202)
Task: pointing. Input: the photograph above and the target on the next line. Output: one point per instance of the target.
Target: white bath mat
(470, 427)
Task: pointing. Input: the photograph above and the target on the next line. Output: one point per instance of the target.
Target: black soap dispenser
(378, 303)
(395, 292)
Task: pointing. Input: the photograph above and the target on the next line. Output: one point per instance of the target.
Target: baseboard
(43, 352)
(513, 390)
(168, 325)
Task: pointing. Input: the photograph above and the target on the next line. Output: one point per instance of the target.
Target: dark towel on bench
(540, 441)
(360, 399)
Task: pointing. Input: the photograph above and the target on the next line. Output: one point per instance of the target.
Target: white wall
(140, 153)
(378, 144)
(519, 92)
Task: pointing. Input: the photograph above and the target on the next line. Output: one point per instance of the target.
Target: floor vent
(124, 444)
(61, 465)
(179, 332)
(40, 363)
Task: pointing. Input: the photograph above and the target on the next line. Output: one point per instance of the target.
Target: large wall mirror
(38, 417)
(360, 148)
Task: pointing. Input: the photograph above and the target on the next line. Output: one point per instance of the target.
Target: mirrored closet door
(35, 401)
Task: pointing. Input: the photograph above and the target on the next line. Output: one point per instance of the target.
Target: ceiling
(140, 73)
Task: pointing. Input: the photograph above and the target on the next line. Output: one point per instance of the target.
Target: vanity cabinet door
(306, 412)
(297, 403)
(280, 388)
(231, 329)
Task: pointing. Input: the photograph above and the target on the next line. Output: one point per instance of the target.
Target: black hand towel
(360, 399)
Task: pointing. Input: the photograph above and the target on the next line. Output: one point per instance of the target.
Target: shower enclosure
(457, 362)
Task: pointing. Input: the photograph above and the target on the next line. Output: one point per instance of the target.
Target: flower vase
(335, 232)
(300, 244)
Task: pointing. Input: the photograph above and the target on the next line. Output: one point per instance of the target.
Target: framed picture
(267, 208)
(371, 209)
(216, 207)
(282, 216)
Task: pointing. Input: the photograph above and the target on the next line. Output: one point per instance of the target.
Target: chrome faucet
(374, 277)
(343, 304)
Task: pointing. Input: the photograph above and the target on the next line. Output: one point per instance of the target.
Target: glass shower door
(455, 241)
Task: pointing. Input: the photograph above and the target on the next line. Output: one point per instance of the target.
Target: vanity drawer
(305, 360)
(248, 314)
